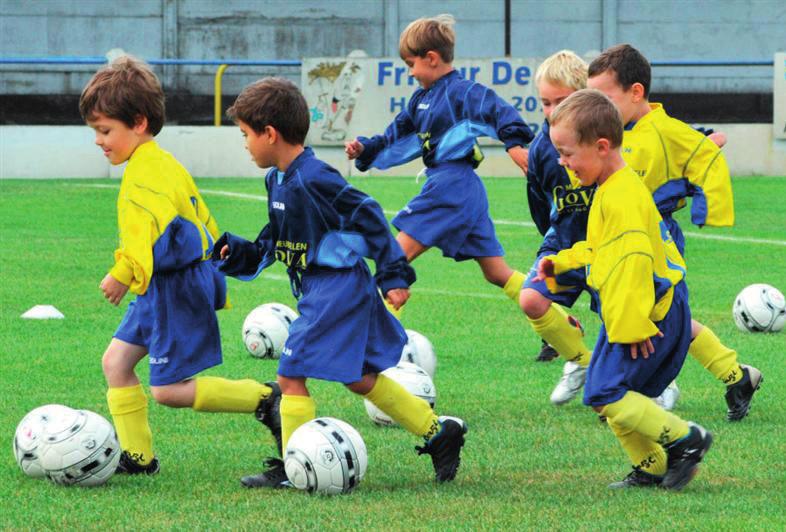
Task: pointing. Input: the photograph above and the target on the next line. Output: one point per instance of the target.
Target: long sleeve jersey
(318, 220)
(442, 123)
(164, 225)
(675, 161)
(559, 205)
(630, 258)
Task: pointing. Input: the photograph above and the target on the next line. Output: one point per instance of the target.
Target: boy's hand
(520, 156)
(719, 138)
(113, 289)
(224, 253)
(545, 269)
(353, 148)
(397, 297)
(645, 348)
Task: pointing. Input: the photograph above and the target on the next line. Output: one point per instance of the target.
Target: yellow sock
(295, 410)
(215, 394)
(513, 285)
(716, 357)
(642, 451)
(128, 406)
(638, 413)
(409, 411)
(556, 327)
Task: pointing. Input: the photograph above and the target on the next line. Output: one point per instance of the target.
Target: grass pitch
(526, 464)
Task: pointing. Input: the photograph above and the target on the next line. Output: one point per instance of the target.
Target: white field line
(692, 234)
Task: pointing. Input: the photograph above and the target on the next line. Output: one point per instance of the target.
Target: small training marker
(43, 312)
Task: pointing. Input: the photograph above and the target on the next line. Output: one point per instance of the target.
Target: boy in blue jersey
(674, 161)
(166, 239)
(636, 275)
(441, 124)
(322, 228)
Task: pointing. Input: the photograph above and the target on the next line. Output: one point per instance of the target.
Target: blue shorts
(612, 372)
(574, 282)
(344, 330)
(451, 213)
(175, 320)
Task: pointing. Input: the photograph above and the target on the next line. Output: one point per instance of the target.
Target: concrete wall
(270, 29)
(207, 151)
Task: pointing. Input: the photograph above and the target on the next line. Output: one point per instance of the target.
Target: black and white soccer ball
(78, 447)
(266, 329)
(418, 350)
(760, 308)
(326, 456)
(28, 434)
(414, 379)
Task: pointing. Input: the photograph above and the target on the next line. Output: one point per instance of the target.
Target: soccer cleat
(637, 479)
(128, 466)
(668, 399)
(274, 477)
(269, 413)
(573, 377)
(547, 353)
(739, 394)
(445, 447)
(684, 457)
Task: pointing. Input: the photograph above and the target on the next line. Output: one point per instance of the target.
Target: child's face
(258, 145)
(583, 159)
(625, 100)
(422, 69)
(551, 95)
(117, 139)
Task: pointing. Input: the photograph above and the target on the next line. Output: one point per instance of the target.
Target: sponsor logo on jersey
(423, 106)
(293, 254)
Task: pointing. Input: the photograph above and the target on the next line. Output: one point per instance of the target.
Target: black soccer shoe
(684, 457)
(547, 353)
(637, 479)
(739, 394)
(269, 413)
(274, 477)
(128, 466)
(445, 448)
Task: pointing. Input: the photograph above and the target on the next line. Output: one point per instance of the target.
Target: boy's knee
(533, 303)
(164, 395)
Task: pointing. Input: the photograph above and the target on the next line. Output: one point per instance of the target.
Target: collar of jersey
(307, 153)
(655, 109)
(145, 147)
(444, 79)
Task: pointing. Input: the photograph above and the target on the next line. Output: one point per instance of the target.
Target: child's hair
(275, 102)
(124, 90)
(565, 69)
(591, 115)
(627, 63)
(429, 34)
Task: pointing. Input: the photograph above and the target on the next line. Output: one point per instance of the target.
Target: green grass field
(526, 464)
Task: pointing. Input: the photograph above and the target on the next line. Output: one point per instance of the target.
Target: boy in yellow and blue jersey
(675, 162)
(636, 275)
(323, 229)
(441, 124)
(166, 240)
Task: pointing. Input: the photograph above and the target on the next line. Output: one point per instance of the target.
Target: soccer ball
(78, 447)
(327, 456)
(414, 379)
(418, 350)
(266, 328)
(760, 308)
(27, 437)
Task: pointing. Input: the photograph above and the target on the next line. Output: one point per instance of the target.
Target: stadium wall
(34, 152)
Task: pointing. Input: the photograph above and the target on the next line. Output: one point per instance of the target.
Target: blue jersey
(559, 205)
(318, 221)
(442, 124)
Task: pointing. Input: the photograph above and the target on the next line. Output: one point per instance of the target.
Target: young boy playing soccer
(322, 228)
(166, 238)
(441, 124)
(675, 161)
(637, 277)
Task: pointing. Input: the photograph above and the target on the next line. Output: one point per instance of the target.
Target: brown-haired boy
(637, 278)
(322, 229)
(166, 239)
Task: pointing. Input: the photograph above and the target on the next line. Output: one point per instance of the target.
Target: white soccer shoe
(568, 387)
(668, 399)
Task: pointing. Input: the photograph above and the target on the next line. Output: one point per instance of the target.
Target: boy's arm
(399, 143)
(138, 230)
(245, 260)
(485, 106)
